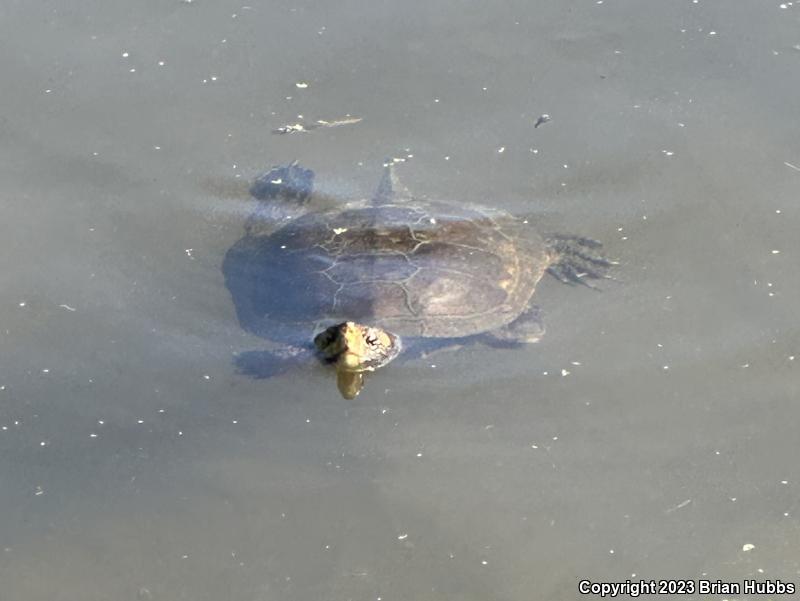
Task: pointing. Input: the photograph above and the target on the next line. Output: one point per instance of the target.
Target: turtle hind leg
(528, 328)
(291, 183)
(283, 193)
(577, 260)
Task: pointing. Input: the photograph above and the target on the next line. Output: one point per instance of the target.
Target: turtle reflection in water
(365, 278)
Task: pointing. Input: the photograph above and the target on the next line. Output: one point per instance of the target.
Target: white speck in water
(43, 443)
(776, 252)
(22, 303)
(533, 446)
(534, 150)
(45, 371)
(611, 551)
(484, 562)
(501, 150)
(339, 230)
(666, 367)
(283, 246)
(668, 153)
(447, 158)
(436, 100)
(575, 362)
(712, 33)
(402, 536)
(133, 70)
(139, 421)
(161, 63)
(748, 547)
(419, 454)
(565, 372)
(206, 377)
(92, 435)
(125, 55)
(784, 482)
(301, 84)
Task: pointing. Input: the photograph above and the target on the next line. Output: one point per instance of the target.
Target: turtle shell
(419, 268)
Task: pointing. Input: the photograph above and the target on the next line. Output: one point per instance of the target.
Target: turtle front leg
(528, 328)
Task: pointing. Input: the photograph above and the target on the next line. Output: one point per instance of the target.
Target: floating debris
(300, 128)
(788, 164)
(748, 547)
(541, 120)
(679, 506)
(301, 84)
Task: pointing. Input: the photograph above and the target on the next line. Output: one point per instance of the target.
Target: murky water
(651, 434)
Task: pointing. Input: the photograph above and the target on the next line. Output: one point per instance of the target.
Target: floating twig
(301, 128)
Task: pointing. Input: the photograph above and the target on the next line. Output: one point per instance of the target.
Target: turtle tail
(577, 260)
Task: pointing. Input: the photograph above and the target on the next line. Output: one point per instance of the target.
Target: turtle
(357, 282)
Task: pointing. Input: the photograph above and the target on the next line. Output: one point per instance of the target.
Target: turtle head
(354, 349)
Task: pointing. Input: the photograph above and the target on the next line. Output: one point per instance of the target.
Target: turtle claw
(576, 260)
